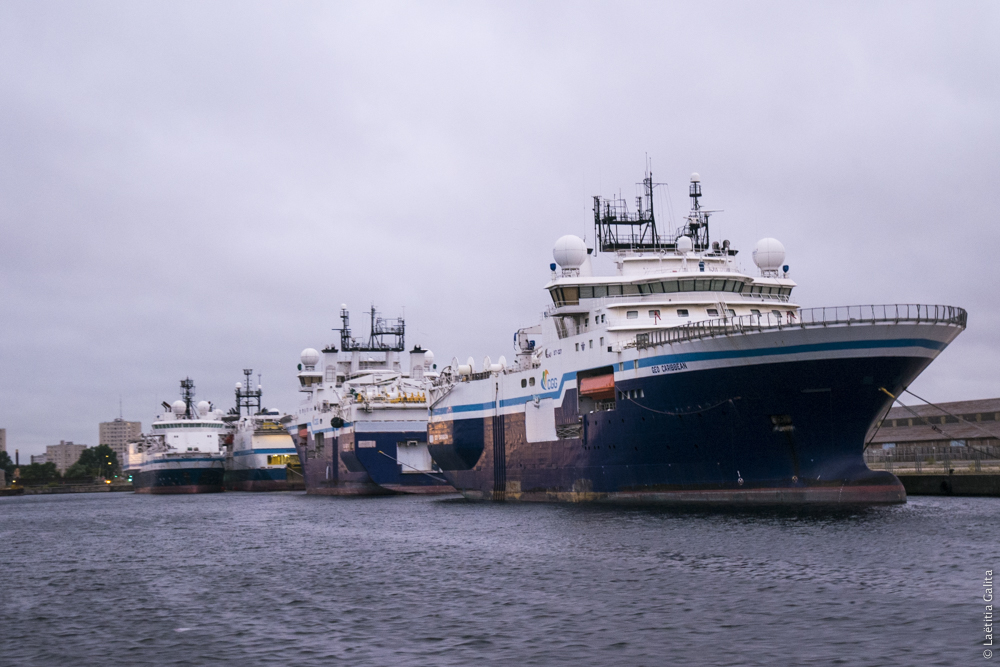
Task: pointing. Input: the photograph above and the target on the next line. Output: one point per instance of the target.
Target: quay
(945, 449)
(23, 490)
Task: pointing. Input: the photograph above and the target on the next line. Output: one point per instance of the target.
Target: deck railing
(806, 318)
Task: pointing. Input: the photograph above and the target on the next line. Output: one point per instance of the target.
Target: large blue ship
(682, 379)
(362, 428)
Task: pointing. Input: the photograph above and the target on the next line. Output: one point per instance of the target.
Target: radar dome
(178, 406)
(428, 358)
(684, 244)
(203, 407)
(695, 178)
(768, 254)
(570, 252)
(310, 357)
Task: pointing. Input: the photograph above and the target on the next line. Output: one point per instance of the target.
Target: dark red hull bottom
(435, 489)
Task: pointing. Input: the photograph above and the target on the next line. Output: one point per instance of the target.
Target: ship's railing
(602, 301)
(806, 318)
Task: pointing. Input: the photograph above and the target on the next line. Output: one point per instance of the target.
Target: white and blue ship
(682, 379)
(362, 427)
(183, 452)
(261, 455)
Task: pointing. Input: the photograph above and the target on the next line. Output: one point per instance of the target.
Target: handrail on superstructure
(611, 301)
(806, 318)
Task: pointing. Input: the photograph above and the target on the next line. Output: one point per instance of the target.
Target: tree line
(99, 461)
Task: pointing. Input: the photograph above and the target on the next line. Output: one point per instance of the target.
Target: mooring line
(436, 479)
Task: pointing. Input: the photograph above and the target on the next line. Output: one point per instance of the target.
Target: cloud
(193, 189)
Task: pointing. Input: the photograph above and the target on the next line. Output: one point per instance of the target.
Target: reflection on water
(252, 579)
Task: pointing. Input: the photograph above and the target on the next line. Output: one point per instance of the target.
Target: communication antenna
(246, 396)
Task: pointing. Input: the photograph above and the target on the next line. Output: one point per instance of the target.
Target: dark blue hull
(325, 472)
(380, 462)
(262, 479)
(785, 432)
(186, 480)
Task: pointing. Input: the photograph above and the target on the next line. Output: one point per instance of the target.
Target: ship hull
(384, 455)
(324, 472)
(772, 419)
(262, 479)
(179, 480)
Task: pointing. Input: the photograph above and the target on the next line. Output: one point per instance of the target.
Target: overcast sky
(190, 189)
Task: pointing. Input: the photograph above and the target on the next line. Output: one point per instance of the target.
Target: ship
(681, 378)
(260, 455)
(362, 426)
(181, 453)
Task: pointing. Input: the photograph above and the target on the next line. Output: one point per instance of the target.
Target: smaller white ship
(261, 455)
(182, 452)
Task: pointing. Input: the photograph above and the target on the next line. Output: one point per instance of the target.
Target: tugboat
(260, 455)
(682, 379)
(181, 454)
(362, 428)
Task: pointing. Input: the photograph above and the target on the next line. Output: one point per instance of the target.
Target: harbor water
(285, 578)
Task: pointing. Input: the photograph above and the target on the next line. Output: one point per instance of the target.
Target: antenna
(247, 397)
(616, 229)
(120, 413)
(187, 393)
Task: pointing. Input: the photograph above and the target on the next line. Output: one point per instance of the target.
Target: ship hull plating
(769, 433)
(261, 479)
(383, 455)
(184, 480)
(323, 469)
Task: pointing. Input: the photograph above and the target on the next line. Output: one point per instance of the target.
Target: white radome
(570, 252)
(428, 358)
(769, 254)
(178, 407)
(685, 244)
(203, 407)
(310, 357)
(695, 178)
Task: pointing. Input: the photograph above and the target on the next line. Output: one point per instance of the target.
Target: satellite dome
(684, 244)
(239, 385)
(768, 254)
(570, 252)
(428, 358)
(343, 306)
(203, 407)
(178, 406)
(695, 178)
(310, 357)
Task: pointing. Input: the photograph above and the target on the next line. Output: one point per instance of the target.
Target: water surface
(284, 578)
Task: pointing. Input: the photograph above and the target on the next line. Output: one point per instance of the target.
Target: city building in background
(3, 440)
(116, 435)
(920, 435)
(64, 454)
(39, 458)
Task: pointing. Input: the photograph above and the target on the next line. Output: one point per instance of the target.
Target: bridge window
(682, 312)
(632, 314)
(713, 312)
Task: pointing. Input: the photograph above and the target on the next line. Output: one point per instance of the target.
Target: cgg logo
(549, 381)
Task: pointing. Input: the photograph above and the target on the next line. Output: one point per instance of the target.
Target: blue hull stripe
(248, 452)
(711, 356)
